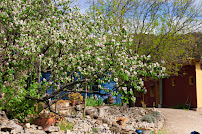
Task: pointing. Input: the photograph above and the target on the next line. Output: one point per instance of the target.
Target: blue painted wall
(110, 85)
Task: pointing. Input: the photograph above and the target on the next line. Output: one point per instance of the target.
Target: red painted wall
(147, 98)
(182, 93)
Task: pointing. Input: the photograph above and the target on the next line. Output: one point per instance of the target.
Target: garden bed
(101, 119)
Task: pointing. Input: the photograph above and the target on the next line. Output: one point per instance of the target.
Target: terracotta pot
(73, 103)
(45, 122)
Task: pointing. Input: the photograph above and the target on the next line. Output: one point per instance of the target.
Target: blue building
(93, 88)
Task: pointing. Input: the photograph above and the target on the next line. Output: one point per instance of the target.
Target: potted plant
(110, 100)
(75, 98)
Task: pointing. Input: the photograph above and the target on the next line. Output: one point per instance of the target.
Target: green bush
(155, 114)
(65, 125)
(180, 106)
(148, 118)
(91, 101)
(151, 117)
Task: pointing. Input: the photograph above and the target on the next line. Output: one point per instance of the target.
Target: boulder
(89, 112)
(33, 127)
(32, 131)
(78, 107)
(27, 125)
(53, 129)
(104, 120)
(11, 125)
(3, 115)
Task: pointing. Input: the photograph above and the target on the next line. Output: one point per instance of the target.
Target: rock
(150, 125)
(3, 115)
(83, 126)
(40, 132)
(99, 122)
(27, 125)
(78, 107)
(58, 133)
(11, 125)
(40, 128)
(114, 124)
(33, 127)
(16, 121)
(13, 131)
(143, 125)
(53, 129)
(95, 116)
(88, 117)
(69, 132)
(105, 125)
(27, 131)
(101, 112)
(115, 130)
(5, 132)
(148, 131)
(104, 129)
(89, 112)
(104, 120)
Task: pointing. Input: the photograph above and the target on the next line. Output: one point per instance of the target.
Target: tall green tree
(157, 27)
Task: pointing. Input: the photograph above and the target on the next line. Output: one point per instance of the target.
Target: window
(173, 82)
(191, 80)
(152, 91)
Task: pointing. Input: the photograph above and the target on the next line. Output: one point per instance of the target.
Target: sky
(84, 5)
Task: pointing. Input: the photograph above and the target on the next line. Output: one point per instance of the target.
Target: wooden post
(84, 110)
(39, 76)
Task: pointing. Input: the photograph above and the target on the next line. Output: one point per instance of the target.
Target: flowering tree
(41, 35)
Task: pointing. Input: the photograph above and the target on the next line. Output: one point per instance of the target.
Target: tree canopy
(41, 35)
(158, 28)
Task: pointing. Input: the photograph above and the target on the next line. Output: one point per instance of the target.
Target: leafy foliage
(75, 96)
(162, 29)
(65, 125)
(151, 117)
(42, 35)
(91, 101)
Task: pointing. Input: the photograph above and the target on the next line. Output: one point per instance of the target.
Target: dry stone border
(101, 120)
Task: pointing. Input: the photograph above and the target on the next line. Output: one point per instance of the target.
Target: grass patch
(65, 125)
(180, 106)
(91, 101)
(116, 104)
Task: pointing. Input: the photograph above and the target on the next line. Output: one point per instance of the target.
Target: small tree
(40, 36)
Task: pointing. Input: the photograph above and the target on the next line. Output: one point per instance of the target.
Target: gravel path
(179, 121)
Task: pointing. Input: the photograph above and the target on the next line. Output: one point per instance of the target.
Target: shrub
(91, 101)
(76, 96)
(155, 114)
(151, 117)
(148, 118)
(65, 125)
